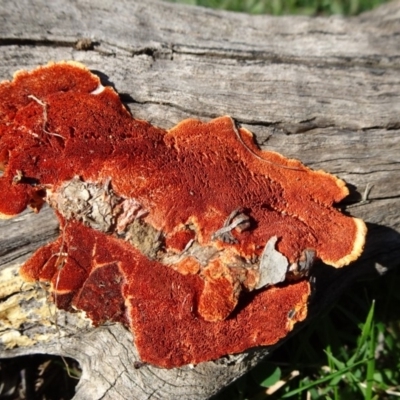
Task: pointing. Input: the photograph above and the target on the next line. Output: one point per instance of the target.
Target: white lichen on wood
(91, 203)
(27, 316)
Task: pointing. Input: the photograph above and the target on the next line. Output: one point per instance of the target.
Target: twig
(364, 197)
(257, 156)
(44, 105)
(235, 219)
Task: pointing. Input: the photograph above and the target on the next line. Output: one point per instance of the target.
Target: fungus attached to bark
(193, 237)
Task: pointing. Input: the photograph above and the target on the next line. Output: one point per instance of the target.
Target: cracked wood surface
(323, 90)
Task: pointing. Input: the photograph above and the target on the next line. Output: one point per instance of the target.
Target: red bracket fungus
(194, 238)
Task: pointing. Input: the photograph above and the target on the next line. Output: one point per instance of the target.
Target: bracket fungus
(194, 238)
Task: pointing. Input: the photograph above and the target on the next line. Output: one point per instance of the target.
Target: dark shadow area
(381, 255)
(104, 78)
(125, 98)
(354, 196)
(338, 308)
(38, 377)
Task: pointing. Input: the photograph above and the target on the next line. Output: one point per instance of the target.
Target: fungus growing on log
(194, 238)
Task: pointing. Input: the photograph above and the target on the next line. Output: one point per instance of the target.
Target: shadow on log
(322, 90)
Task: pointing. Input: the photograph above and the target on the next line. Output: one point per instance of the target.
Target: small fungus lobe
(194, 238)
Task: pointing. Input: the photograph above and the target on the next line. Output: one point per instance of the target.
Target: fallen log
(322, 90)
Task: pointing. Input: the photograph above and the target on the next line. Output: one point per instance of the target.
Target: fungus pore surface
(192, 237)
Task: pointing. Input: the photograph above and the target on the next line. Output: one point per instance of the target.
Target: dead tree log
(323, 90)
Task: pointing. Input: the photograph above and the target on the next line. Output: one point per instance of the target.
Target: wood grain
(323, 90)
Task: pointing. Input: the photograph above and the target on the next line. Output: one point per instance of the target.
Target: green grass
(280, 7)
(352, 352)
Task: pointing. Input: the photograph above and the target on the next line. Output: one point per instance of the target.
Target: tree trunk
(322, 90)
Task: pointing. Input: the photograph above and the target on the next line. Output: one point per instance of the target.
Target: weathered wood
(324, 90)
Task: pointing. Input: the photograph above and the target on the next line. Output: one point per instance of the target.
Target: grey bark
(323, 90)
